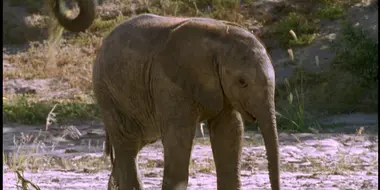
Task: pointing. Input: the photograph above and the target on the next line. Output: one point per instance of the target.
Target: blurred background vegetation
(348, 83)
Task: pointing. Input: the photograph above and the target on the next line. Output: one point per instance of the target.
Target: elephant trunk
(268, 128)
(82, 21)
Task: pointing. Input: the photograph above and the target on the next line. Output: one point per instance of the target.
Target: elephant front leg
(177, 141)
(124, 175)
(226, 131)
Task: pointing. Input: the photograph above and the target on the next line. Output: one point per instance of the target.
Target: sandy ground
(337, 160)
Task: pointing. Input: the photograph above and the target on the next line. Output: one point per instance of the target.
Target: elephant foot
(112, 184)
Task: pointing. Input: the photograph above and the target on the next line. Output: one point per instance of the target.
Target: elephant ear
(190, 58)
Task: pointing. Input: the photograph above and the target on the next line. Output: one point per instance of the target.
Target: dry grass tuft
(30, 146)
(72, 63)
(25, 182)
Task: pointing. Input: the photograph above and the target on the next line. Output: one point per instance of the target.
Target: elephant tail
(109, 148)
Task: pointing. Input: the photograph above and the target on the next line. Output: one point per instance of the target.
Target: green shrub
(304, 27)
(331, 12)
(333, 92)
(22, 109)
(292, 114)
(31, 5)
(358, 54)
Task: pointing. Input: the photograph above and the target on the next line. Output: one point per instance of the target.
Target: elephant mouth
(247, 115)
(250, 117)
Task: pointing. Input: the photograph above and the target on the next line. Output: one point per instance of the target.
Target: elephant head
(84, 19)
(217, 64)
(248, 82)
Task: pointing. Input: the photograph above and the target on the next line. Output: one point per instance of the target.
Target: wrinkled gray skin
(158, 77)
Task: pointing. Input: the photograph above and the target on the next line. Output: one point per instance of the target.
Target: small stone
(56, 180)
(329, 143)
(292, 160)
(151, 174)
(68, 151)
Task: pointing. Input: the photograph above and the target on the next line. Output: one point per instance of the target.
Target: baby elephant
(159, 77)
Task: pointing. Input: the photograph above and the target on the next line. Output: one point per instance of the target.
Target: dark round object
(84, 19)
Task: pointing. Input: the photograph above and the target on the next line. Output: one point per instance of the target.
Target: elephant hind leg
(125, 145)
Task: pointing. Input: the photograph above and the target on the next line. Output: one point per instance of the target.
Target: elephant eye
(242, 83)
